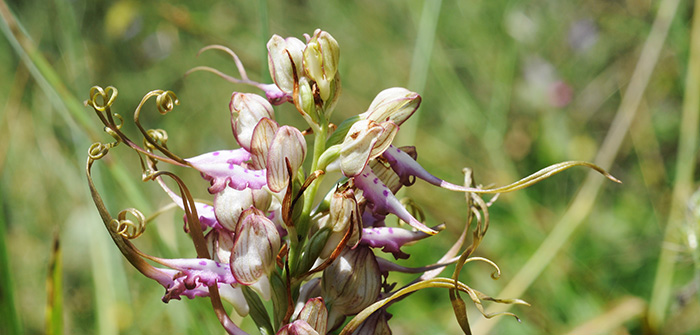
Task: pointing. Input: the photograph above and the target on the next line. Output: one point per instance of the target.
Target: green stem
(302, 227)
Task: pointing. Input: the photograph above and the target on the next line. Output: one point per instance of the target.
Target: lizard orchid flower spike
(268, 232)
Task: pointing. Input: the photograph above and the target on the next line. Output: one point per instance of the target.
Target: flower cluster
(269, 233)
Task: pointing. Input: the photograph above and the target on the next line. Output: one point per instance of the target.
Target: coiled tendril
(126, 227)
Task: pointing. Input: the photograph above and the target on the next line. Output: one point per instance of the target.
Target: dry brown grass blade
(622, 311)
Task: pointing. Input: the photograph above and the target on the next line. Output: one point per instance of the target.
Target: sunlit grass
(487, 103)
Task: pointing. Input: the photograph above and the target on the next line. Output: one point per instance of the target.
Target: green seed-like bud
(313, 249)
(321, 58)
(305, 99)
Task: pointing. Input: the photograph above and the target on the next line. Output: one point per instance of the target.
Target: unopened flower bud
(321, 58)
(284, 57)
(263, 134)
(230, 203)
(376, 324)
(336, 89)
(287, 145)
(255, 248)
(351, 283)
(365, 140)
(394, 104)
(344, 213)
(315, 314)
(298, 327)
(246, 111)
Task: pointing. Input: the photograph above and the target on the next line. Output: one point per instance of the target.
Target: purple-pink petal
(191, 277)
(405, 166)
(274, 95)
(383, 201)
(391, 239)
(224, 167)
(206, 212)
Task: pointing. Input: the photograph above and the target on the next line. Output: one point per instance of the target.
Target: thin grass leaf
(54, 290)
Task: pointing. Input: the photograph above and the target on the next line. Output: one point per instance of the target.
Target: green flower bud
(305, 99)
(321, 58)
(344, 213)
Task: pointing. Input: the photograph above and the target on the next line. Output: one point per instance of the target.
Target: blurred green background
(508, 87)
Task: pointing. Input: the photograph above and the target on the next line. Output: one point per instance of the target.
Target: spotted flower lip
(391, 239)
(225, 167)
(190, 277)
(383, 201)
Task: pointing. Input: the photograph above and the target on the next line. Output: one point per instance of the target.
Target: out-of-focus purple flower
(583, 34)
